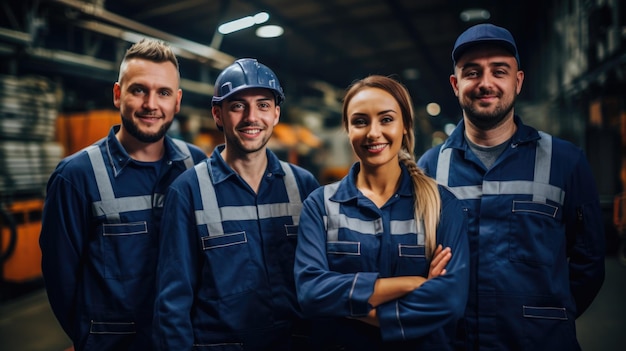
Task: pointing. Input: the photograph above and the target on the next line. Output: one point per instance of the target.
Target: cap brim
(461, 49)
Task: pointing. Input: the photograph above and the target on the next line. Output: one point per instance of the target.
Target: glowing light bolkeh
(243, 23)
(269, 31)
(449, 128)
(433, 109)
(471, 15)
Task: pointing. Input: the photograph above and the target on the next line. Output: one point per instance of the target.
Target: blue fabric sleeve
(176, 271)
(585, 233)
(322, 292)
(441, 300)
(64, 225)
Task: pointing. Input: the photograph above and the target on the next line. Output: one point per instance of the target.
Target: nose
(150, 101)
(250, 114)
(486, 81)
(373, 131)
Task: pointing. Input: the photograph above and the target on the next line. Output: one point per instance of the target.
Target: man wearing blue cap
(535, 225)
(225, 275)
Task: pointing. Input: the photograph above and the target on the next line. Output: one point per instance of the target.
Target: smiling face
(248, 119)
(148, 97)
(375, 127)
(487, 81)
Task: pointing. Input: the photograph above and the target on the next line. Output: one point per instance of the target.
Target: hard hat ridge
(246, 73)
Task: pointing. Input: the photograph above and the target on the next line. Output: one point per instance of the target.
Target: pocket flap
(343, 247)
(214, 242)
(112, 328)
(545, 312)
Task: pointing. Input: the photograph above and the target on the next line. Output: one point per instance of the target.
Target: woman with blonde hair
(382, 255)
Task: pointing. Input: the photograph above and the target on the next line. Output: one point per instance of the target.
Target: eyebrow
(377, 114)
(497, 64)
(386, 112)
(239, 99)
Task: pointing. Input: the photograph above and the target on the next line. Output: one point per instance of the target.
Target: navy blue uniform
(225, 278)
(346, 242)
(536, 239)
(98, 241)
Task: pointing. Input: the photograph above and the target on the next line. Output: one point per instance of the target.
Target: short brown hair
(151, 50)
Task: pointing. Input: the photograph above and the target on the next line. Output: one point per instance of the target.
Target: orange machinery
(20, 256)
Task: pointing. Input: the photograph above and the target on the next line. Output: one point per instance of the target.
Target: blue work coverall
(98, 241)
(225, 275)
(345, 243)
(536, 239)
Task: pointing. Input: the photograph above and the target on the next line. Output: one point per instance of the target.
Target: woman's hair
(426, 193)
(151, 50)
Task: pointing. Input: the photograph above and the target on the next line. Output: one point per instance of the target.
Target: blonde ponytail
(427, 201)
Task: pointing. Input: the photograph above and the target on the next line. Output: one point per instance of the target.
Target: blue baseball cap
(484, 33)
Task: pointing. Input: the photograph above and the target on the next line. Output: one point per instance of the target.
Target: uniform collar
(220, 170)
(348, 191)
(119, 158)
(523, 134)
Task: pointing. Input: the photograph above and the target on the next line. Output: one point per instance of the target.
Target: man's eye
(136, 90)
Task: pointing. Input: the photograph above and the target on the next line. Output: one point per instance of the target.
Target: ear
(117, 92)
(454, 83)
(216, 111)
(520, 81)
(277, 118)
(179, 98)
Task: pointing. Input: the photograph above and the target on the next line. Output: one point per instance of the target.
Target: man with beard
(535, 225)
(104, 205)
(225, 275)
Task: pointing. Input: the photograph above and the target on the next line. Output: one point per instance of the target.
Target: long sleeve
(441, 300)
(585, 233)
(176, 275)
(64, 224)
(322, 292)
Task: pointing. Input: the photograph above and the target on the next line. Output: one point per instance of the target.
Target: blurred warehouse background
(59, 60)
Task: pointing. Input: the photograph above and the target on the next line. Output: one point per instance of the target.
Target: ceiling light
(269, 31)
(243, 23)
(471, 15)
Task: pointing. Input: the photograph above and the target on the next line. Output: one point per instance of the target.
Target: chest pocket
(536, 236)
(128, 249)
(361, 242)
(344, 256)
(534, 224)
(230, 254)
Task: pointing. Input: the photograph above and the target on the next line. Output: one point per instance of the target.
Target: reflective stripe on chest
(540, 187)
(212, 215)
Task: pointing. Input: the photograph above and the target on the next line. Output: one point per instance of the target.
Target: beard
(489, 119)
(133, 129)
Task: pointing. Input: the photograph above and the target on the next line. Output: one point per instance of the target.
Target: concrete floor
(27, 323)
